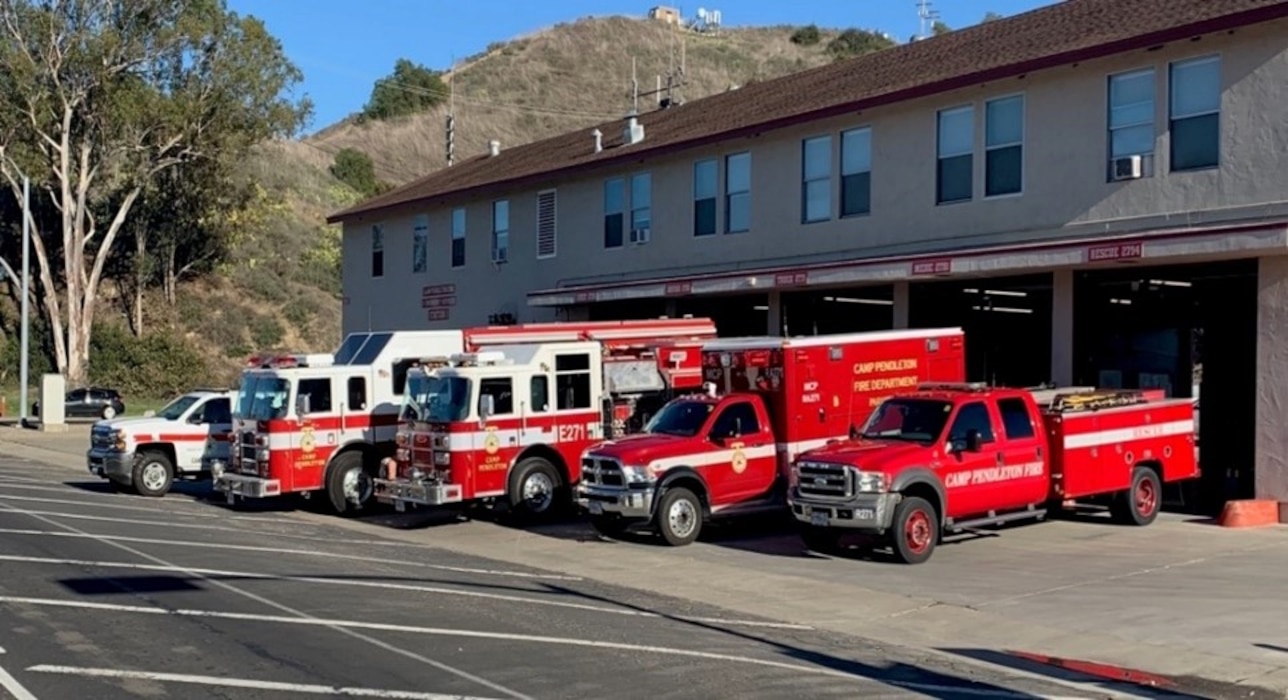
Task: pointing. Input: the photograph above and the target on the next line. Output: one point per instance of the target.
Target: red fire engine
(720, 454)
(952, 458)
(321, 423)
(509, 423)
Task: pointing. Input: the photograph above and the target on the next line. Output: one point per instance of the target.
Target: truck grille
(824, 480)
(102, 438)
(597, 471)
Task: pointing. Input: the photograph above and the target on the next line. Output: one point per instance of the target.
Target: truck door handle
(1000, 459)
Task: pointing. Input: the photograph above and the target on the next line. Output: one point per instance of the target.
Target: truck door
(749, 463)
(313, 443)
(498, 443)
(969, 488)
(216, 420)
(1025, 480)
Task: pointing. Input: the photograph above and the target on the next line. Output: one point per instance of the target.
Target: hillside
(280, 288)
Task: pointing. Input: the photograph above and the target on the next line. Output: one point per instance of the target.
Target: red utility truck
(321, 423)
(509, 424)
(728, 451)
(955, 457)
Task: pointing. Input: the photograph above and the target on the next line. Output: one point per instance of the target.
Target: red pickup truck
(950, 458)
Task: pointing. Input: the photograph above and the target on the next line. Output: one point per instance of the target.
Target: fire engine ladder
(612, 334)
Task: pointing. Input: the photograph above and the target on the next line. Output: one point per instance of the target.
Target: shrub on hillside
(355, 169)
(856, 42)
(806, 36)
(156, 365)
(410, 89)
(265, 331)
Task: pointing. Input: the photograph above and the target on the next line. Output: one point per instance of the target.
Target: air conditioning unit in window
(500, 256)
(640, 236)
(1127, 168)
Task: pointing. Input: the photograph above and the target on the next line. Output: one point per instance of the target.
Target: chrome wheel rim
(682, 517)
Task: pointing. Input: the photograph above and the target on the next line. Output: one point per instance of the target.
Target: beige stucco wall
(1065, 193)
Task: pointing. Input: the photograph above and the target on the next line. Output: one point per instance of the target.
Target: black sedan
(89, 402)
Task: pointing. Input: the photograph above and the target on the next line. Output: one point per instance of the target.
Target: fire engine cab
(727, 451)
(509, 423)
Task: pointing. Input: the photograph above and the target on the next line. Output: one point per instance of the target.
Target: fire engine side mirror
(302, 405)
(973, 442)
(487, 406)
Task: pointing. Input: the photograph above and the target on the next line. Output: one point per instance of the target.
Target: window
(953, 180)
(501, 389)
(641, 207)
(500, 230)
(1131, 115)
(856, 172)
(1195, 113)
(547, 236)
(399, 378)
(572, 381)
(539, 393)
(1015, 419)
(614, 212)
(736, 421)
(319, 393)
(378, 250)
(705, 191)
(458, 237)
(972, 416)
(816, 176)
(738, 193)
(1004, 146)
(420, 244)
(215, 412)
(358, 393)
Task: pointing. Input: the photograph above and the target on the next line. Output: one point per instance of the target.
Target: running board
(996, 519)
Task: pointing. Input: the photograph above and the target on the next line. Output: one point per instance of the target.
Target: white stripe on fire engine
(705, 459)
(1121, 435)
(532, 435)
(291, 440)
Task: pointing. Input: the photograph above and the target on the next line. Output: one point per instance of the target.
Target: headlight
(118, 440)
(869, 482)
(400, 439)
(261, 454)
(402, 454)
(442, 459)
(637, 475)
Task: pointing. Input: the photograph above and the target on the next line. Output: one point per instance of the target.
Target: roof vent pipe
(599, 140)
(634, 131)
(494, 148)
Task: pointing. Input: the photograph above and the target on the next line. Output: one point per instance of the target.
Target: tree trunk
(171, 277)
(140, 281)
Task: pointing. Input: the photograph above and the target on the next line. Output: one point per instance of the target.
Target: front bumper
(244, 485)
(401, 492)
(111, 464)
(626, 503)
(868, 512)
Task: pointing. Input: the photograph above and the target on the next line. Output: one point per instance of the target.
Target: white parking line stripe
(113, 506)
(402, 587)
(478, 634)
(446, 668)
(216, 528)
(74, 533)
(11, 684)
(244, 683)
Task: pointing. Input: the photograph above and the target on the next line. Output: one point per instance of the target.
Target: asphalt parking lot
(106, 595)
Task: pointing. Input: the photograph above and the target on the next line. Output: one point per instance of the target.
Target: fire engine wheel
(348, 485)
(679, 517)
(915, 530)
(153, 474)
(1140, 504)
(536, 489)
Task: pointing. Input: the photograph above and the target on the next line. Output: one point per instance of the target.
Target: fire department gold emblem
(491, 443)
(307, 442)
(739, 459)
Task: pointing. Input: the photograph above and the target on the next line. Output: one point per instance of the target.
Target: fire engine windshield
(436, 399)
(683, 418)
(263, 397)
(914, 420)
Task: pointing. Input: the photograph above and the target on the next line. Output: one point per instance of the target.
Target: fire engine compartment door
(632, 377)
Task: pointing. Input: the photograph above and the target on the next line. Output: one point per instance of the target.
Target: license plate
(595, 508)
(865, 514)
(400, 506)
(818, 518)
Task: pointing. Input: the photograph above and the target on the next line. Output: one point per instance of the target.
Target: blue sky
(344, 46)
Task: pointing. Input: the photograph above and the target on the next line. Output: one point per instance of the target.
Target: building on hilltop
(1094, 190)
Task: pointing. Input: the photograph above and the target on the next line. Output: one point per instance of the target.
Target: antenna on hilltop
(927, 17)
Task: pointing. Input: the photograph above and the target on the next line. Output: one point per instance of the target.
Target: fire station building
(1096, 191)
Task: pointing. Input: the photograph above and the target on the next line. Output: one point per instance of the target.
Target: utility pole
(635, 89)
(451, 116)
(26, 292)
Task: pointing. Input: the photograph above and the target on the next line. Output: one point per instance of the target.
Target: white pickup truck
(147, 454)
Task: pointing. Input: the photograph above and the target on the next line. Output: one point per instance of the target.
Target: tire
(537, 491)
(679, 517)
(608, 526)
(1139, 505)
(821, 539)
(916, 530)
(109, 413)
(153, 474)
(349, 487)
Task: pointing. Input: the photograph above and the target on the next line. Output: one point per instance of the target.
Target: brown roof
(1062, 33)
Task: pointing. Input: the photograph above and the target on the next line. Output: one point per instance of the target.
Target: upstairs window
(641, 208)
(738, 193)
(705, 193)
(1004, 146)
(501, 230)
(816, 176)
(1131, 118)
(954, 180)
(614, 212)
(856, 172)
(378, 250)
(420, 244)
(1195, 113)
(458, 237)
